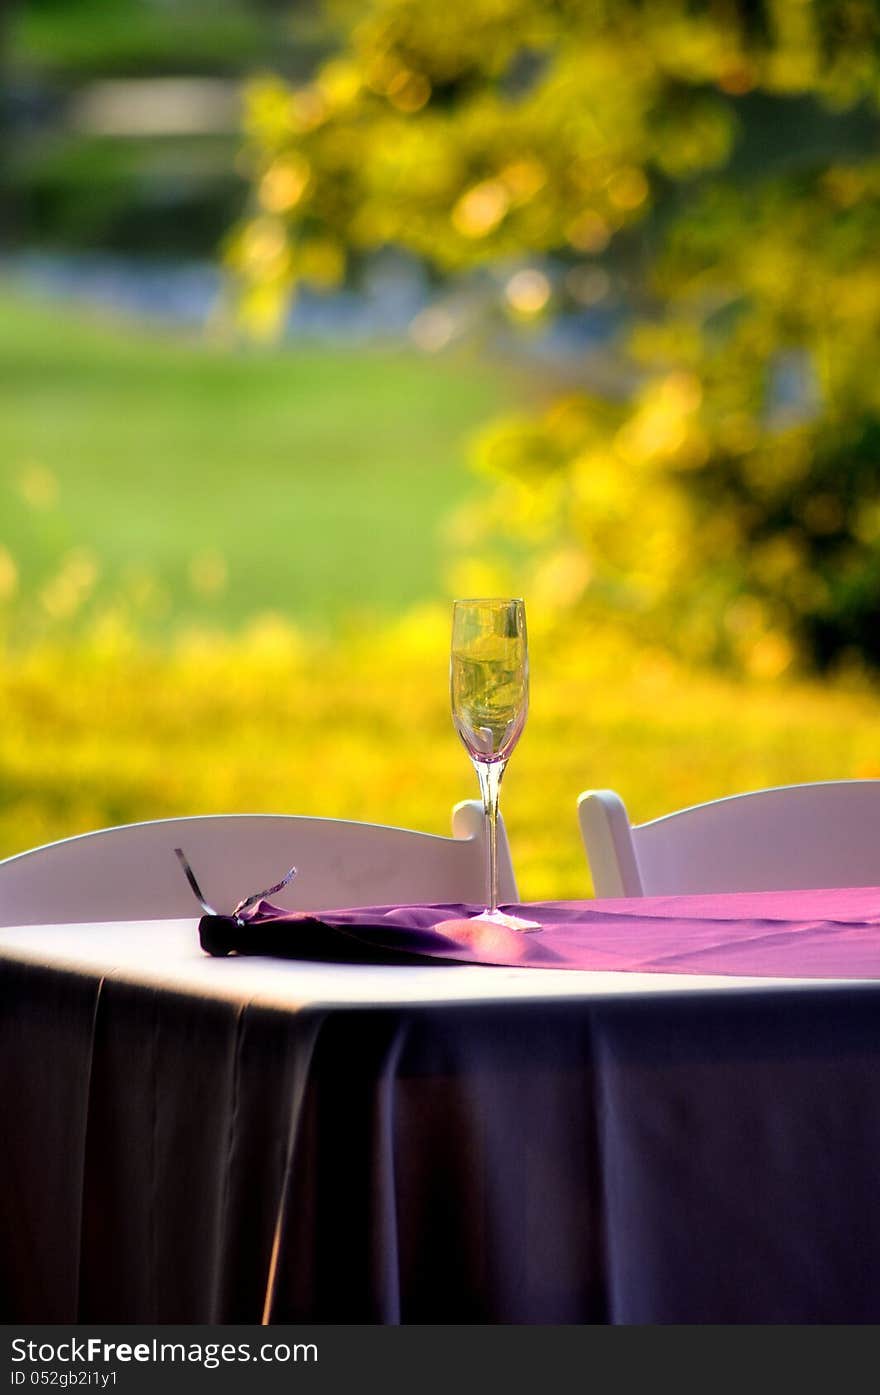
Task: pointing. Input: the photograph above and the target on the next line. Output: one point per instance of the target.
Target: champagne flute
(489, 682)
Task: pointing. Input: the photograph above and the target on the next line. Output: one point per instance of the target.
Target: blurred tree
(100, 151)
(712, 165)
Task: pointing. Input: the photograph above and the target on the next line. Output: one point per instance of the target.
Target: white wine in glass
(489, 682)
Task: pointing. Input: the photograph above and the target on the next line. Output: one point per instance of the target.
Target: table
(195, 1140)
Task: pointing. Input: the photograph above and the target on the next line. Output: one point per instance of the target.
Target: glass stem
(489, 774)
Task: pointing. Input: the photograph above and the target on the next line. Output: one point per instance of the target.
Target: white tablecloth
(196, 1140)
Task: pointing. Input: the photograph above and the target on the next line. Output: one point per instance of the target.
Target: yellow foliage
(103, 730)
(734, 454)
(283, 184)
(481, 208)
(268, 113)
(8, 574)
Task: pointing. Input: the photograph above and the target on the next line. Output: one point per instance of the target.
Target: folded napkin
(805, 934)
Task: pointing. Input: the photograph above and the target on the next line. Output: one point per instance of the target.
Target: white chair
(793, 837)
(131, 872)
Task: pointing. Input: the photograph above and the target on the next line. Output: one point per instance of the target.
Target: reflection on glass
(489, 681)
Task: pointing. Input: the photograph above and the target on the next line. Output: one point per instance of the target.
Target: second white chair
(131, 873)
(792, 837)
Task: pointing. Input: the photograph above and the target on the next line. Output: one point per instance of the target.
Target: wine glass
(489, 682)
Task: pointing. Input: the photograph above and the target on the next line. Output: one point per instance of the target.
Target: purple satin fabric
(781, 934)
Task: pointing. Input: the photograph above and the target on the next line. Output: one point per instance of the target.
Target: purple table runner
(779, 934)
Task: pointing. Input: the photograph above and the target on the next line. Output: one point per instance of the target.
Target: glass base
(508, 922)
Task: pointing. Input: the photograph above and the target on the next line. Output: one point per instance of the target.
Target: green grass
(129, 35)
(317, 479)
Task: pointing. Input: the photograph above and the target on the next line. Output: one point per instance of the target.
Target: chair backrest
(131, 872)
(793, 837)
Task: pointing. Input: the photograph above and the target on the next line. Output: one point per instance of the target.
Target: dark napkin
(373, 935)
(296, 935)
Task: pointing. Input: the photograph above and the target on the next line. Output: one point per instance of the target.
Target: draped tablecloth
(191, 1140)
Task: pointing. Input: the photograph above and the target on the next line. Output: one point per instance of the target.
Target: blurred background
(313, 316)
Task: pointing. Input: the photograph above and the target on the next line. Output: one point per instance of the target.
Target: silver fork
(244, 905)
